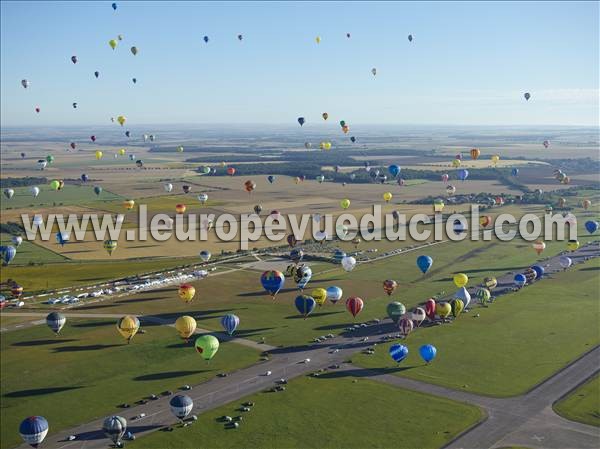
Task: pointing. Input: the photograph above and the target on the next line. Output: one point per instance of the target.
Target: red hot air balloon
(430, 308)
(230, 171)
(389, 286)
(354, 305)
(445, 177)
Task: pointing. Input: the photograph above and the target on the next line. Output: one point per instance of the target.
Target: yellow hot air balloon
(326, 146)
(443, 309)
(460, 279)
(438, 206)
(456, 163)
(186, 292)
(110, 246)
(128, 326)
(122, 152)
(121, 119)
(345, 203)
(475, 153)
(387, 196)
(495, 159)
(128, 204)
(319, 295)
(572, 245)
(186, 326)
(318, 39)
(112, 43)
(99, 154)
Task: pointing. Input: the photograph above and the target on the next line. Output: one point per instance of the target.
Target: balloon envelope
(424, 263)
(398, 352)
(230, 322)
(207, 346)
(427, 352)
(305, 304)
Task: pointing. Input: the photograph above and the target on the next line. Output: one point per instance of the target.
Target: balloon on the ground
(430, 308)
(114, 427)
(181, 405)
(572, 245)
(483, 295)
(443, 309)
(457, 307)
(464, 295)
(128, 326)
(33, 430)
(490, 282)
(418, 315)
(565, 262)
(520, 280)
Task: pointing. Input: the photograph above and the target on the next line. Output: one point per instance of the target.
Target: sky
(469, 63)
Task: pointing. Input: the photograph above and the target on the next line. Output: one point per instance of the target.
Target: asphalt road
(527, 419)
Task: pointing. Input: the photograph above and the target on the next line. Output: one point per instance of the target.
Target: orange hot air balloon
(485, 220)
(230, 171)
(475, 153)
(186, 292)
(539, 247)
(129, 204)
(249, 186)
(180, 208)
(389, 286)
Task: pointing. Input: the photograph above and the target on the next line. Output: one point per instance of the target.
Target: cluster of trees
(22, 182)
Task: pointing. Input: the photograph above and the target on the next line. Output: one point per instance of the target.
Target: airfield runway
(527, 420)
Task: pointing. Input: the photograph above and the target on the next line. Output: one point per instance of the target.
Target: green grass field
(89, 369)
(517, 342)
(29, 252)
(327, 414)
(70, 195)
(583, 404)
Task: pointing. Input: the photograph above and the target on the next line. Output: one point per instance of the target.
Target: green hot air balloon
(395, 310)
(54, 185)
(207, 346)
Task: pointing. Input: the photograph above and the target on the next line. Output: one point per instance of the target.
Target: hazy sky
(469, 63)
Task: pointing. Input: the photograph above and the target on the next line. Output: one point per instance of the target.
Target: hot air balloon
(463, 174)
(8, 253)
(562, 202)
(301, 121)
(180, 208)
(325, 115)
(305, 304)
(387, 196)
(62, 238)
(539, 271)
(272, 281)
(591, 226)
(271, 179)
(17, 240)
(460, 280)
(463, 294)
(128, 204)
(318, 39)
(520, 280)
(203, 198)
(418, 315)
(128, 327)
(345, 203)
(539, 246)
(572, 245)
(110, 246)
(475, 153)
(114, 427)
(207, 346)
(374, 71)
(445, 177)
(410, 38)
(205, 39)
(398, 352)
(353, 139)
(33, 430)
(25, 84)
(527, 95)
(99, 155)
(450, 190)
(586, 204)
(93, 138)
(186, 326)
(9, 193)
(443, 309)
(181, 405)
(424, 263)
(230, 171)
(230, 322)
(296, 255)
(134, 51)
(186, 292)
(490, 282)
(334, 294)
(438, 205)
(354, 305)
(389, 286)
(565, 262)
(405, 326)
(483, 295)
(97, 190)
(249, 186)
(121, 119)
(427, 352)
(96, 74)
(55, 321)
(37, 109)
(456, 163)
(240, 37)
(326, 146)
(74, 104)
(457, 307)
(302, 276)
(114, 6)
(307, 145)
(395, 310)
(74, 59)
(348, 263)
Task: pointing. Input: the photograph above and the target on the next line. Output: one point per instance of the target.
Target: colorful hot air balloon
(424, 263)
(354, 305)
(16, 240)
(249, 186)
(25, 84)
(272, 281)
(325, 115)
(110, 246)
(398, 352)
(186, 326)
(33, 430)
(181, 405)
(99, 155)
(55, 321)
(128, 326)
(475, 153)
(405, 325)
(334, 294)
(418, 315)
(203, 198)
(389, 286)
(438, 205)
(271, 179)
(395, 310)
(427, 352)
(394, 170)
(483, 295)
(319, 295)
(35, 191)
(305, 304)
(460, 280)
(186, 292)
(180, 208)
(205, 255)
(121, 119)
(538, 246)
(230, 322)
(114, 6)
(463, 174)
(456, 306)
(318, 39)
(490, 282)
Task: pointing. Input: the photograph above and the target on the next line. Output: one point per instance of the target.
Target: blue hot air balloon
(272, 281)
(591, 226)
(514, 172)
(114, 6)
(128, 133)
(539, 271)
(353, 139)
(271, 179)
(230, 322)
(394, 170)
(85, 177)
(427, 352)
(463, 174)
(398, 352)
(97, 190)
(334, 293)
(305, 304)
(520, 280)
(181, 405)
(62, 238)
(33, 430)
(205, 38)
(8, 253)
(424, 263)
